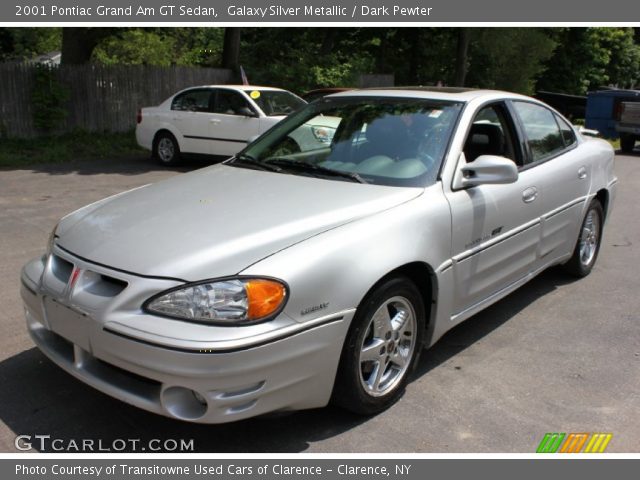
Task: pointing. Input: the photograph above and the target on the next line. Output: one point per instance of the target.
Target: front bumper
(106, 345)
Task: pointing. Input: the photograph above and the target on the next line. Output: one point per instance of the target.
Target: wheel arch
(156, 136)
(424, 277)
(603, 197)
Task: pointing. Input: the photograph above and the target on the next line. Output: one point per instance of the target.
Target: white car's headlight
(323, 134)
(226, 301)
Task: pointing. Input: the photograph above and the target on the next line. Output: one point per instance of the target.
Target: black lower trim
(224, 350)
(235, 140)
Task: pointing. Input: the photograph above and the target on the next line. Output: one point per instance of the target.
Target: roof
(434, 93)
(238, 87)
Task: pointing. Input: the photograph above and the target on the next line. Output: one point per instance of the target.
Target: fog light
(183, 403)
(199, 397)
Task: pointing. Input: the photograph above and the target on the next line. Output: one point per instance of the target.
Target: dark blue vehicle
(615, 113)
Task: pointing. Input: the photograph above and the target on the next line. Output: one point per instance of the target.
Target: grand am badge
(315, 308)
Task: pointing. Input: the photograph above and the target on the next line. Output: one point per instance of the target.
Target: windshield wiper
(316, 169)
(249, 161)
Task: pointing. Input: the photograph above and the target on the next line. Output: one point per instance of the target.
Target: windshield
(384, 141)
(276, 102)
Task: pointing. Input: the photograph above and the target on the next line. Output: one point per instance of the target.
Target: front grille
(61, 268)
(79, 359)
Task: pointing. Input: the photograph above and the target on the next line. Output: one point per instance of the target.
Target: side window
(192, 101)
(229, 102)
(541, 129)
(490, 134)
(568, 135)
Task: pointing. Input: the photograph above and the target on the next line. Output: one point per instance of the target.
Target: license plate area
(68, 323)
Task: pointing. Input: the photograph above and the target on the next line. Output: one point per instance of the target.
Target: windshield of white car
(383, 141)
(276, 102)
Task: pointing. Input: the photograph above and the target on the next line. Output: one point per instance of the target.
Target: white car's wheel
(587, 246)
(166, 149)
(382, 348)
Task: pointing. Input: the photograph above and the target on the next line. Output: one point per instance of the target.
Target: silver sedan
(291, 276)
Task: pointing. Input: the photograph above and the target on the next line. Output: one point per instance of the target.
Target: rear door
(189, 114)
(565, 176)
(233, 123)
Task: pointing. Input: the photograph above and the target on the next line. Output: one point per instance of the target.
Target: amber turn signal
(264, 297)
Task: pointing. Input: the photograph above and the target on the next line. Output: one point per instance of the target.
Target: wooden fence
(101, 98)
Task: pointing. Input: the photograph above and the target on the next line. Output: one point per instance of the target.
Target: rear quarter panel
(155, 119)
(600, 154)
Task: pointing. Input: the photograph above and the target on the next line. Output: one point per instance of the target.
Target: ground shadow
(39, 398)
(634, 153)
(483, 323)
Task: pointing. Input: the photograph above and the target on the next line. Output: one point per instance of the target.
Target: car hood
(216, 221)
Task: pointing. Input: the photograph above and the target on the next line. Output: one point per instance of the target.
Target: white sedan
(211, 120)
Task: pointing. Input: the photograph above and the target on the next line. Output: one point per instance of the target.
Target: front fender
(332, 272)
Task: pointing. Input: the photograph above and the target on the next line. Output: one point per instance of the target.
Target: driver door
(496, 228)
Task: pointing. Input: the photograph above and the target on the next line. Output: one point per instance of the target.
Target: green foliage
(587, 58)
(508, 58)
(79, 145)
(161, 46)
(25, 43)
(300, 59)
(569, 60)
(135, 47)
(622, 56)
(197, 46)
(48, 99)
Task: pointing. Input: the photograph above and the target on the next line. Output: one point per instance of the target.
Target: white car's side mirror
(486, 169)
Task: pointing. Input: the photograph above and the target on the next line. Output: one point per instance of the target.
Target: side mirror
(587, 131)
(247, 112)
(488, 169)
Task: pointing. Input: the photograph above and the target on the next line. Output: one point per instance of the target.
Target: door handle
(215, 121)
(530, 194)
(582, 173)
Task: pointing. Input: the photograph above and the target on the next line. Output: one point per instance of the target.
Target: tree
(78, 43)
(136, 46)
(462, 57)
(25, 43)
(622, 59)
(509, 58)
(588, 58)
(231, 48)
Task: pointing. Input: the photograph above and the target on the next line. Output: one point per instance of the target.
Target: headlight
(323, 134)
(227, 301)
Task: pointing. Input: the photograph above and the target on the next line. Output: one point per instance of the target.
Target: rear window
(543, 134)
(568, 134)
(192, 101)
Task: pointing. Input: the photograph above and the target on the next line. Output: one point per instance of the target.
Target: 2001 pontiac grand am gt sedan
(286, 278)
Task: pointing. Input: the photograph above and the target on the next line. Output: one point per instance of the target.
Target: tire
(627, 142)
(378, 357)
(587, 246)
(166, 149)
